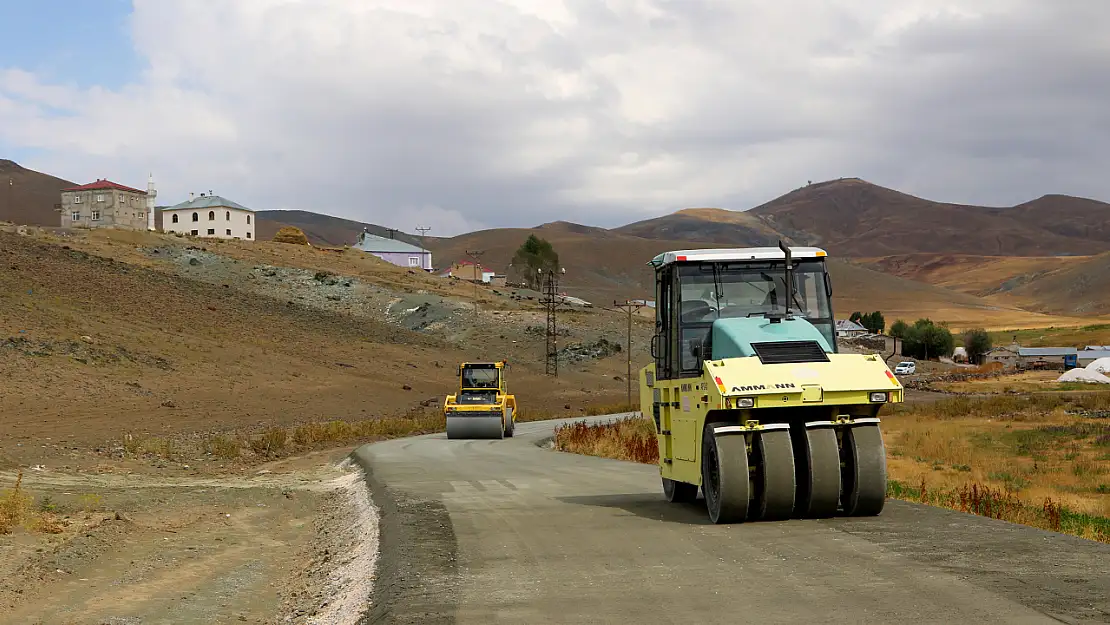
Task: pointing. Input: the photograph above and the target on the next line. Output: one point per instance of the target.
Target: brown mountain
(714, 225)
(322, 229)
(853, 217)
(28, 197)
(1081, 288)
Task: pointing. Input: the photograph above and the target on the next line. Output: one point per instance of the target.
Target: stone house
(104, 204)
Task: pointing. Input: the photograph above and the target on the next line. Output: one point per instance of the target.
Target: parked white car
(905, 368)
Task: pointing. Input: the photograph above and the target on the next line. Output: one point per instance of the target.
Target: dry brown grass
(1022, 382)
(630, 439)
(1036, 451)
(17, 509)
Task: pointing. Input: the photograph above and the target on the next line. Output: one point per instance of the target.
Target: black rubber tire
(775, 488)
(817, 472)
(863, 472)
(510, 425)
(724, 476)
(679, 492)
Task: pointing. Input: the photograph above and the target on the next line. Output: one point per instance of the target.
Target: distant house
(1007, 355)
(848, 328)
(466, 270)
(1087, 356)
(1047, 357)
(394, 251)
(104, 204)
(209, 216)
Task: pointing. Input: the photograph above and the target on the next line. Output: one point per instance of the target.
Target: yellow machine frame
(476, 420)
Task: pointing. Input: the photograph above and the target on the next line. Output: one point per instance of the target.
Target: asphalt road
(509, 532)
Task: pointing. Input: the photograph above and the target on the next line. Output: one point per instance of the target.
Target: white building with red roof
(104, 204)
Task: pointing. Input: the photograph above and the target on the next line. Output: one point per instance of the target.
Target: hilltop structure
(394, 251)
(210, 216)
(104, 204)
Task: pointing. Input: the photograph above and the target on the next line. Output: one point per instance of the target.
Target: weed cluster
(17, 510)
(624, 439)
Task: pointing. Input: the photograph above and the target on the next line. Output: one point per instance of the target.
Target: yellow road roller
(483, 407)
(752, 399)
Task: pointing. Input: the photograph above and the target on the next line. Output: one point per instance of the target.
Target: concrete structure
(151, 208)
(210, 216)
(1043, 357)
(393, 251)
(104, 204)
(848, 328)
(1087, 356)
(1007, 355)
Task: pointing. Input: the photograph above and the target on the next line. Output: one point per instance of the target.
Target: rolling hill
(1081, 288)
(30, 196)
(714, 225)
(603, 266)
(321, 229)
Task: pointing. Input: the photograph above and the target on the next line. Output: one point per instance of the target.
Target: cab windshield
(479, 377)
(711, 291)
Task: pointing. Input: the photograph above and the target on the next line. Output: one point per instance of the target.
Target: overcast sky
(465, 114)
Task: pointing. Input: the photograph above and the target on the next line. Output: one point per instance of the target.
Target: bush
(898, 329)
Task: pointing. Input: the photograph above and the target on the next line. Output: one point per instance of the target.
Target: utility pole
(424, 246)
(476, 256)
(629, 307)
(551, 302)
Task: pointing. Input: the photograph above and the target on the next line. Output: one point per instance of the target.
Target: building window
(123, 199)
(196, 217)
(211, 215)
(76, 216)
(96, 215)
(142, 215)
(211, 231)
(227, 216)
(248, 234)
(174, 218)
(229, 232)
(77, 199)
(248, 219)
(414, 261)
(194, 232)
(99, 198)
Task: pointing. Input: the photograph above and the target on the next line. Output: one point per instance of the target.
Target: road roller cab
(749, 393)
(483, 407)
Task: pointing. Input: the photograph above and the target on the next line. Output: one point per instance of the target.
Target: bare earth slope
(321, 229)
(603, 266)
(31, 196)
(712, 225)
(857, 218)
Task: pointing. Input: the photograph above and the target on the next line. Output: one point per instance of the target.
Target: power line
(423, 245)
(629, 307)
(476, 256)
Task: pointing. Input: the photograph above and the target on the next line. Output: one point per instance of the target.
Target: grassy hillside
(975, 275)
(31, 196)
(1081, 288)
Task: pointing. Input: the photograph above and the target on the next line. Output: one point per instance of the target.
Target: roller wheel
(724, 476)
(817, 456)
(510, 425)
(773, 459)
(863, 470)
(679, 492)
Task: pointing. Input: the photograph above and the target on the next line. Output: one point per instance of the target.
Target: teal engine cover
(733, 337)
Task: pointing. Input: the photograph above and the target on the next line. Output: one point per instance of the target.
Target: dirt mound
(290, 234)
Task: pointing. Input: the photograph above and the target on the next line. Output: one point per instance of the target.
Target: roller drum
(481, 425)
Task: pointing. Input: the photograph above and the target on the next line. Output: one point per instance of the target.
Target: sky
(473, 114)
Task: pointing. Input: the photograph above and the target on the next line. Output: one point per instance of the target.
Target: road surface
(508, 532)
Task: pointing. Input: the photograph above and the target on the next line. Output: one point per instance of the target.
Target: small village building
(467, 270)
(104, 204)
(1044, 357)
(1007, 355)
(209, 216)
(1087, 356)
(848, 328)
(395, 251)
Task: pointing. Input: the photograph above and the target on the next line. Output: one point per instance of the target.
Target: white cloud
(481, 113)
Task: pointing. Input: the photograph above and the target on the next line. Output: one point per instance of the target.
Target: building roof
(373, 243)
(104, 184)
(847, 325)
(1046, 351)
(207, 201)
(1094, 354)
(1097, 348)
(735, 254)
